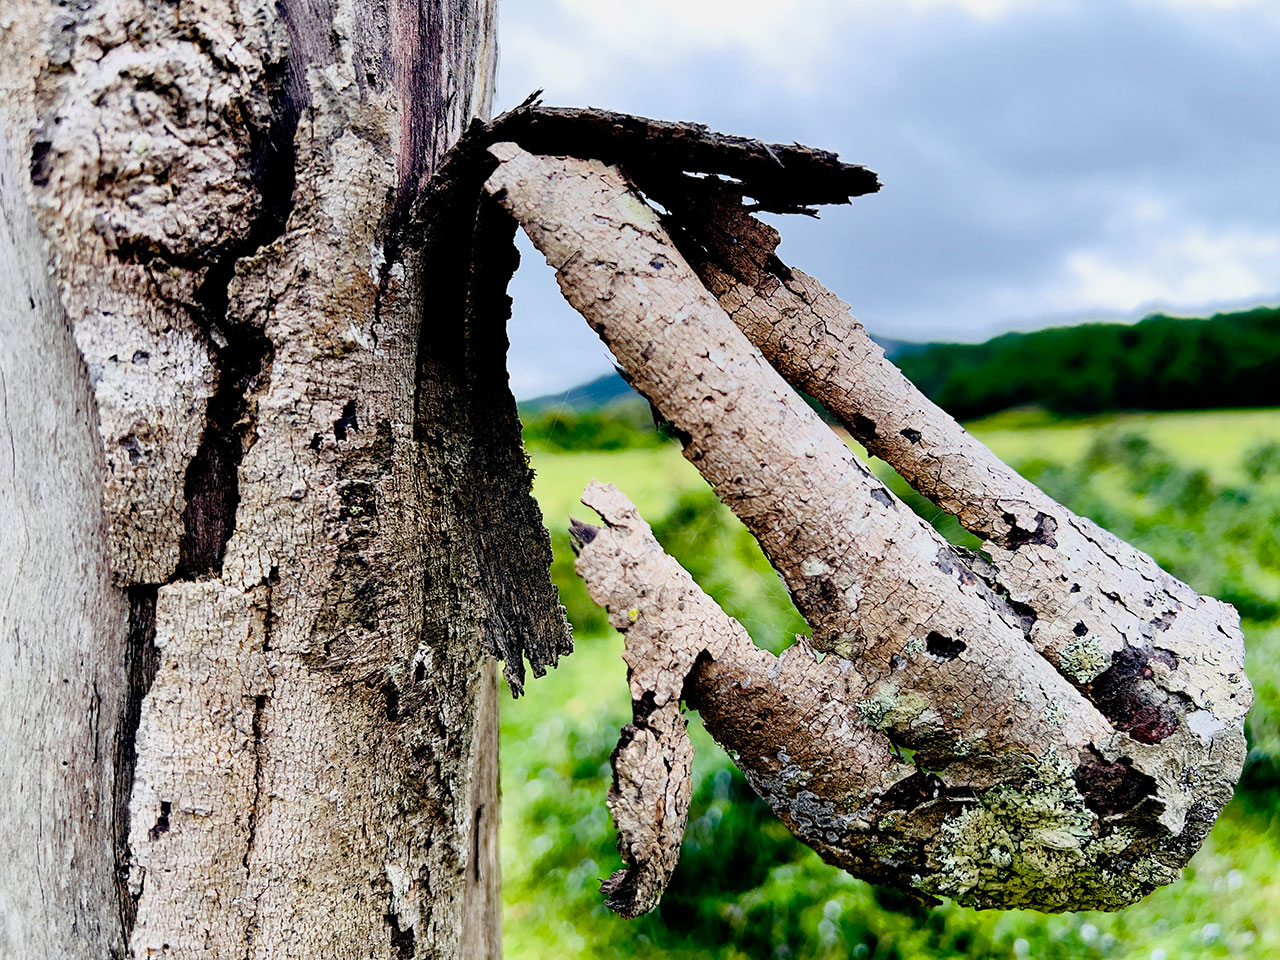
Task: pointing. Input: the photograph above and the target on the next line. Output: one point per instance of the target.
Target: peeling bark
(1055, 768)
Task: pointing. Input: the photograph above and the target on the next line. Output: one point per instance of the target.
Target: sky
(1042, 161)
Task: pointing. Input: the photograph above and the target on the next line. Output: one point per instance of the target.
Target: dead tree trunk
(1073, 714)
(259, 469)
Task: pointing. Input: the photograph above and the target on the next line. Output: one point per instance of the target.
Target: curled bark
(1050, 772)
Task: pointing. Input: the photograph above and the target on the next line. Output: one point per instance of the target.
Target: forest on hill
(1160, 363)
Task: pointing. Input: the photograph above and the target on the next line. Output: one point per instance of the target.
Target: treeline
(1160, 363)
(624, 424)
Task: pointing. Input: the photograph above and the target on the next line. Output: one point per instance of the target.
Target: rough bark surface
(1041, 780)
(293, 714)
(63, 624)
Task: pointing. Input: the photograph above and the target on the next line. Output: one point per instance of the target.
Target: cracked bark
(1076, 715)
(251, 539)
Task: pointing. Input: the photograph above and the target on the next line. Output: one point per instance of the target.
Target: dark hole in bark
(909, 793)
(942, 647)
(359, 499)
(392, 693)
(402, 941)
(476, 821)
(1024, 612)
(1110, 788)
(162, 822)
(864, 428)
(882, 496)
(912, 434)
(641, 708)
(346, 422)
(131, 446)
(1080, 629)
(1043, 534)
(41, 165)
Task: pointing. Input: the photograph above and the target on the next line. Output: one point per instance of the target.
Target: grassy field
(1186, 487)
(654, 478)
(1212, 439)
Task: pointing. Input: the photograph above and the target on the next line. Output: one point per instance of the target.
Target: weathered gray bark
(1075, 713)
(248, 590)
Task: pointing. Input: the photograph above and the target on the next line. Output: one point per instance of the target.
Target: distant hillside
(1159, 363)
(592, 395)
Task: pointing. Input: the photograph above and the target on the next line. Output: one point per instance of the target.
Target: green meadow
(1199, 491)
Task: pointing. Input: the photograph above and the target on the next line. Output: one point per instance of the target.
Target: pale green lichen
(910, 709)
(1083, 659)
(1055, 714)
(845, 647)
(1034, 846)
(875, 708)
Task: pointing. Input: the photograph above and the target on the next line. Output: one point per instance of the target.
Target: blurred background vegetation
(1199, 491)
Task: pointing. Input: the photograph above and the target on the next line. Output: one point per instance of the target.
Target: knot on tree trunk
(1053, 724)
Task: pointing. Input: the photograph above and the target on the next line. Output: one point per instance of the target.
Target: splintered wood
(1076, 714)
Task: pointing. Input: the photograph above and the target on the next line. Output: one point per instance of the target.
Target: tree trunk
(247, 586)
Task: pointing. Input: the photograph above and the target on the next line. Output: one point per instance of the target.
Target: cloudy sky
(1042, 161)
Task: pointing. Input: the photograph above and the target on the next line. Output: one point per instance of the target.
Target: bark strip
(1157, 659)
(679, 643)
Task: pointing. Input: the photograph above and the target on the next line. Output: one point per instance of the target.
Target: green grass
(1213, 439)
(744, 888)
(654, 478)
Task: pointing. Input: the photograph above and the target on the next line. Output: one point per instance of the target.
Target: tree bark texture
(1073, 714)
(248, 603)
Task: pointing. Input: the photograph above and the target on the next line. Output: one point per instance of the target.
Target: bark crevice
(241, 352)
(142, 661)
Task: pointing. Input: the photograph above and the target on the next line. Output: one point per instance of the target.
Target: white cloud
(1217, 4)
(1194, 267)
(585, 49)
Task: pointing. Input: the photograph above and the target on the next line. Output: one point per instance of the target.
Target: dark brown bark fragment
(474, 466)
